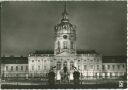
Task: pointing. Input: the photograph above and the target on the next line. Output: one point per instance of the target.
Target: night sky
(29, 26)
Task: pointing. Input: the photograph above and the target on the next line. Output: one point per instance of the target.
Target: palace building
(89, 63)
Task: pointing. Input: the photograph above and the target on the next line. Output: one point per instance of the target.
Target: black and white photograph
(63, 45)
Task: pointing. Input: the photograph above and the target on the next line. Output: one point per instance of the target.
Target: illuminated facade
(90, 64)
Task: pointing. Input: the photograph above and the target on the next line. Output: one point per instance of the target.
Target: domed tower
(65, 36)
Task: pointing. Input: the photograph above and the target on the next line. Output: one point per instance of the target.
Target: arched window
(11, 68)
(65, 64)
(38, 67)
(26, 67)
(65, 44)
(6, 68)
(21, 67)
(71, 65)
(118, 66)
(32, 67)
(108, 67)
(113, 66)
(58, 44)
(71, 45)
(85, 67)
(97, 67)
(16, 68)
(58, 65)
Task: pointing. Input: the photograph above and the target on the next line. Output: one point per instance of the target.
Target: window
(71, 65)
(38, 67)
(113, 66)
(103, 67)
(78, 60)
(32, 60)
(108, 66)
(84, 60)
(97, 67)
(44, 67)
(65, 45)
(71, 45)
(65, 36)
(32, 67)
(21, 67)
(26, 67)
(118, 66)
(11, 68)
(91, 66)
(58, 65)
(16, 68)
(123, 65)
(91, 60)
(6, 68)
(58, 44)
(38, 60)
(85, 67)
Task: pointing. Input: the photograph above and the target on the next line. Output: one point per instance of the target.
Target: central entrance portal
(65, 75)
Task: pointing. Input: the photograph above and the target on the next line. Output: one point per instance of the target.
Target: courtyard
(29, 84)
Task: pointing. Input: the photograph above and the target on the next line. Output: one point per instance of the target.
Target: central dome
(65, 27)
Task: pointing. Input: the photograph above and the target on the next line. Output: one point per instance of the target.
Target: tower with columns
(65, 36)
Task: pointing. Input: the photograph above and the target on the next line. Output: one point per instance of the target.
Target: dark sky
(28, 26)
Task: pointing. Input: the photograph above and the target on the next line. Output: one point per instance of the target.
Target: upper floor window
(44, 67)
(11, 68)
(6, 68)
(38, 60)
(38, 67)
(71, 45)
(78, 60)
(97, 67)
(118, 66)
(26, 67)
(85, 67)
(91, 60)
(91, 66)
(113, 66)
(58, 44)
(16, 68)
(65, 44)
(123, 65)
(32, 60)
(21, 67)
(103, 67)
(108, 66)
(32, 67)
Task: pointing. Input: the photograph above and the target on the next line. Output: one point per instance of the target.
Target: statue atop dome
(65, 14)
